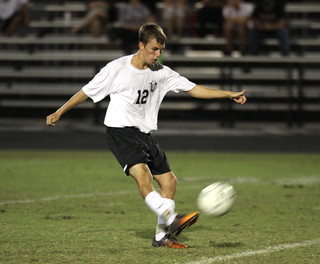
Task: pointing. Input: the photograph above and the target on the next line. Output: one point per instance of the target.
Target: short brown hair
(151, 31)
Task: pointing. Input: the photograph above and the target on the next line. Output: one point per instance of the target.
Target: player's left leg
(167, 183)
(165, 233)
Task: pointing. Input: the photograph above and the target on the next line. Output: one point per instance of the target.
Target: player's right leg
(143, 177)
(181, 222)
(173, 223)
(174, 226)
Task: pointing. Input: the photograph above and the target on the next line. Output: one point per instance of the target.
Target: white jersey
(135, 95)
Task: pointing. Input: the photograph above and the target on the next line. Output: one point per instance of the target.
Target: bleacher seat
(43, 66)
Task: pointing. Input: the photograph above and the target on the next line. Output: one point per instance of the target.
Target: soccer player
(137, 84)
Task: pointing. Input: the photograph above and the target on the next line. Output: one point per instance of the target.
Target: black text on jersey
(142, 96)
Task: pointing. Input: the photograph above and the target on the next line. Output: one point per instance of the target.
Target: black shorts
(131, 146)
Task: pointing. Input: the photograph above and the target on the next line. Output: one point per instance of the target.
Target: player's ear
(141, 45)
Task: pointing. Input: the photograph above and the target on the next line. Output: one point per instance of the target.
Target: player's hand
(52, 119)
(239, 97)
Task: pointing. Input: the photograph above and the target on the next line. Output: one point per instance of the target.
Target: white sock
(160, 206)
(160, 229)
(171, 204)
(171, 219)
(160, 235)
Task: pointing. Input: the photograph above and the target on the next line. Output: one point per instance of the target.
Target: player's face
(151, 51)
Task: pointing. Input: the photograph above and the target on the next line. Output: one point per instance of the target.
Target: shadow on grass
(145, 233)
(225, 244)
(149, 233)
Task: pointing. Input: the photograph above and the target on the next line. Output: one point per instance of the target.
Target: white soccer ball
(216, 199)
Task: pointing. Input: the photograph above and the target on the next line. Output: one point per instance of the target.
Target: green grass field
(78, 207)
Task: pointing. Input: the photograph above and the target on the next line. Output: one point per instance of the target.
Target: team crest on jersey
(153, 86)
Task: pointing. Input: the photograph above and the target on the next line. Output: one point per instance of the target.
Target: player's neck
(138, 62)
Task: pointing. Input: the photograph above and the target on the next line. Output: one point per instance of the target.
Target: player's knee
(141, 174)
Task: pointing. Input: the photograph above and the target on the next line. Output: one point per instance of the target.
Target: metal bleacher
(43, 66)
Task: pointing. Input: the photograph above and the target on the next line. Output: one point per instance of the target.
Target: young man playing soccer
(137, 85)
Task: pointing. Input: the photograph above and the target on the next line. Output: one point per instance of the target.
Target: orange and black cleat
(168, 241)
(181, 222)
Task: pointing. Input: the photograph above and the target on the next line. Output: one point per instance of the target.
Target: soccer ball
(216, 199)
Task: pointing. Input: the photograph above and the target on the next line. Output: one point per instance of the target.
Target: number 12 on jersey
(142, 96)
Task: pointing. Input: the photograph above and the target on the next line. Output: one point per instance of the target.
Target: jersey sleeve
(176, 83)
(101, 84)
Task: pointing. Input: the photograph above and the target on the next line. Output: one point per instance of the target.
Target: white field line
(267, 250)
(248, 180)
(54, 198)
(239, 180)
(72, 196)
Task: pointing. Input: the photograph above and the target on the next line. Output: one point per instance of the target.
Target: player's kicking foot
(167, 241)
(181, 222)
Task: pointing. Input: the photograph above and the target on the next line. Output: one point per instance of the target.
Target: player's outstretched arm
(203, 92)
(78, 98)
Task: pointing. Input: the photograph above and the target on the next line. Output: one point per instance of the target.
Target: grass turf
(78, 207)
